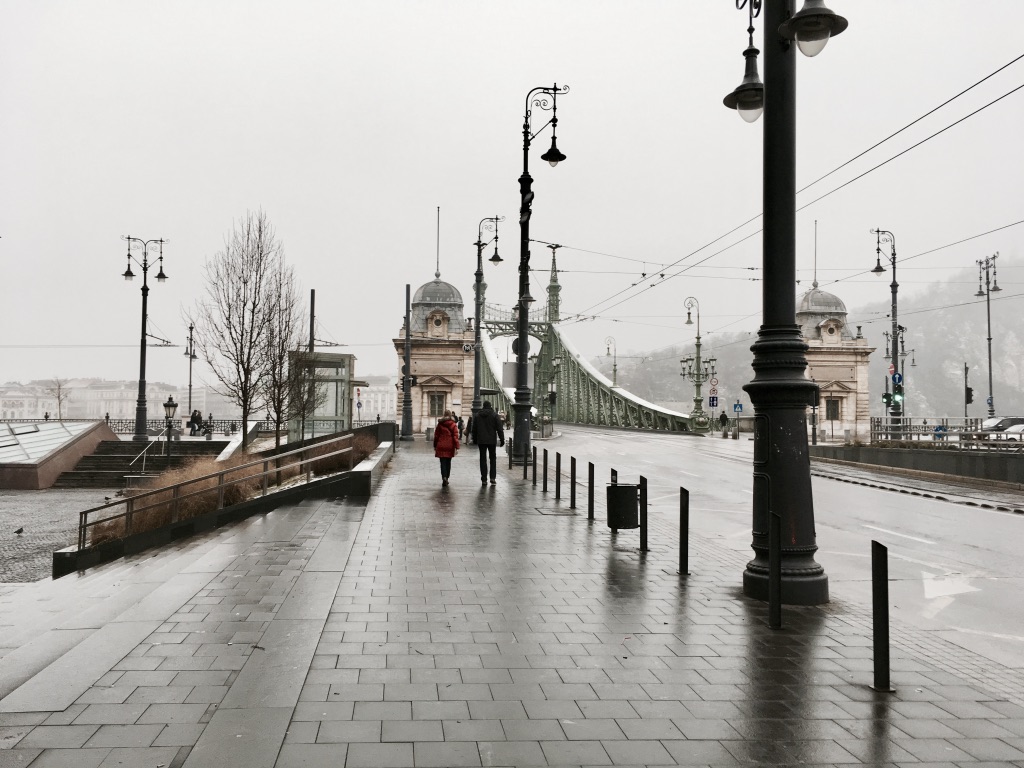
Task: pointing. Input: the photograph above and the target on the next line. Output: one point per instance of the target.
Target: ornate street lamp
(697, 371)
(781, 391)
(896, 409)
(984, 266)
(488, 223)
(747, 98)
(135, 242)
(190, 353)
(537, 97)
(612, 352)
(169, 408)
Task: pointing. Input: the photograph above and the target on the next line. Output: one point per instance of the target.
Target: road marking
(996, 635)
(944, 586)
(901, 535)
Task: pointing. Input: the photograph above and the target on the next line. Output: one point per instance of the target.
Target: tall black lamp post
(988, 267)
(169, 408)
(488, 223)
(137, 243)
(780, 391)
(537, 97)
(190, 353)
(896, 409)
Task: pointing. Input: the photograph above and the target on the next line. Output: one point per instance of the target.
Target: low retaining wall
(34, 476)
(360, 482)
(1003, 468)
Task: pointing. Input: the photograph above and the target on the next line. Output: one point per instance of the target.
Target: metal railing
(955, 433)
(150, 501)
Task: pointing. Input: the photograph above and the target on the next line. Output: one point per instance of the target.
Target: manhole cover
(561, 512)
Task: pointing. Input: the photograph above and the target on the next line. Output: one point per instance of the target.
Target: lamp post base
(802, 583)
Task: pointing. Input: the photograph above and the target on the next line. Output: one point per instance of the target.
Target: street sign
(897, 378)
(892, 369)
(712, 402)
(988, 401)
(714, 391)
(737, 408)
(714, 382)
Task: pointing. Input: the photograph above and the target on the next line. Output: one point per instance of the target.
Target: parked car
(994, 428)
(1016, 432)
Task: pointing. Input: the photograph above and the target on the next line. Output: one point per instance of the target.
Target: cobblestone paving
(50, 522)
(471, 626)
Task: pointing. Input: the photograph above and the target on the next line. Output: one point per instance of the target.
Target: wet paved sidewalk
(467, 626)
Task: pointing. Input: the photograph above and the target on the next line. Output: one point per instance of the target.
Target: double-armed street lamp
(190, 353)
(988, 267)
(137, 243)
(896, 409)
(537, 97)
(488, 223)
(781, 391)
(698, 371)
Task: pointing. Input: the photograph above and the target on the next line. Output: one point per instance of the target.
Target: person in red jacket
(446, 444)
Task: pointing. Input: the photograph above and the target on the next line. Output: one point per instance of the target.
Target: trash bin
(623, 504)
(430, 434)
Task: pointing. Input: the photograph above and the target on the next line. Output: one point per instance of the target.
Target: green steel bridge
(585, 395)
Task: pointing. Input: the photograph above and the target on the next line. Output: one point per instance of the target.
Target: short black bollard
(590, 490)
(684, 532)
(535, 465)
(643, 514)
(880, 615)
(615, 476)
(775, 571)
(572, 482)
(544, 480)
(558, 475)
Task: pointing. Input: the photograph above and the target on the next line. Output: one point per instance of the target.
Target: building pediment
(436, 381)
(836, 386)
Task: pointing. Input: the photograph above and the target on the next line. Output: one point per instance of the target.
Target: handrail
(131, 503)
(142, 453)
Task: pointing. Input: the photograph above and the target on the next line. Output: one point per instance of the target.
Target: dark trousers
(485, 451)
(446, 467)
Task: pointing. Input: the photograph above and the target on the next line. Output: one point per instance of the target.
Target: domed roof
(819, 302)
(437, 292)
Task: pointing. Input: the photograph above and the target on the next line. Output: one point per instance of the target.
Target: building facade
(442, 354)
(837, 360)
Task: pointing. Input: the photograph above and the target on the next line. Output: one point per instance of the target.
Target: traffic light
(897, 395)
(968, 395)
(887, 399)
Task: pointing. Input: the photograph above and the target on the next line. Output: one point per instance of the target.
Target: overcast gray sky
(350, 122)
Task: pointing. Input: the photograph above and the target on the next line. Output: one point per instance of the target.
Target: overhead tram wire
(822, 197)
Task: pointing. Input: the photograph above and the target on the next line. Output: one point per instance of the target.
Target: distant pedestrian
(488, 434)
(46, 416)
(462, 428)
(723, 420)
(446, 444)
(378, 418)
(469, 430)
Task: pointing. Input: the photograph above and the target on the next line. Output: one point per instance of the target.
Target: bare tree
(232, 320)
(59, 391)
(283, 337)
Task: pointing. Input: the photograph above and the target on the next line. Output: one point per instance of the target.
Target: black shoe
(493, 481)
(444, 481)
(483, 481)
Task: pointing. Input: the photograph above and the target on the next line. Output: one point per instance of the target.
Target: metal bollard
(684, 532)
(572, 482)
(615, 476)
(558, 475)
(775, 571)
(535, 465)
(526, 467)
(590, 490)
(544, 480)
(643, 514)
(880, 615)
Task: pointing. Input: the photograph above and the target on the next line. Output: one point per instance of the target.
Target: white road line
(901, 535)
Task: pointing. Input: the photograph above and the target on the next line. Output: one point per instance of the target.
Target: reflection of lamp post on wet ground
(140, 406)
(169, 408)
(698, 371)
(488, 223)
(985, 265)
(537, 97)
(781, 391)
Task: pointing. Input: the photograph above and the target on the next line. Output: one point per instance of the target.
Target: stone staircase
(110, 463)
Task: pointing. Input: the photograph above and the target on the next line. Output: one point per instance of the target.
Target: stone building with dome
(442, 354)
(837, 360)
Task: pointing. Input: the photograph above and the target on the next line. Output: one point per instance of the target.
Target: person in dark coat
(446, 444)
(488, 434)
(723, 420)
(462, 428)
